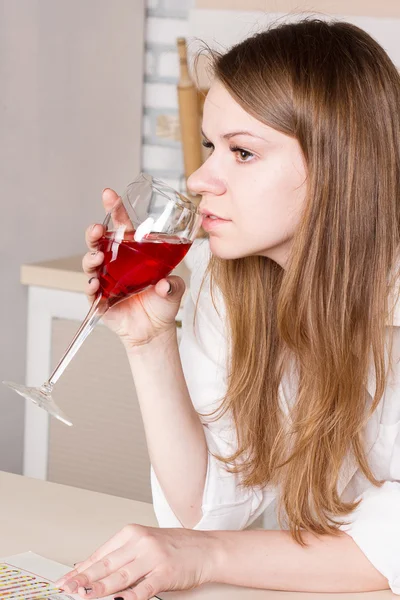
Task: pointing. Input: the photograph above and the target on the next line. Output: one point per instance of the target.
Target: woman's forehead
(222, 114)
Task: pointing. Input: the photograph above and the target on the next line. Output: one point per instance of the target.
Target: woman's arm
(273, 560)
(176, 559)
(190, 486)
(174, 432)
(175, 387)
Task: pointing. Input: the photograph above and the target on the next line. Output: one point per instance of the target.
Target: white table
(67, 524)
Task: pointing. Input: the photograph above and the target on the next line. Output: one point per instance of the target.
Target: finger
(113, 203)
(126, 576)
(91, 288)
(146, 589)
(93, 235)
(172, 288)
(90, 265)
(91, 262)
(115, 542)
(99, 572)
(127, 594)
(66, 577)
(110, 199)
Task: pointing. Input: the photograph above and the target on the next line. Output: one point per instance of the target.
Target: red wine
(129, 266)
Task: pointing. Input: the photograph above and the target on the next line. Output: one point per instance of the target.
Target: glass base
(41, 398)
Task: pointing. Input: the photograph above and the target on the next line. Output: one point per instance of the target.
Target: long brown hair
(334, 89)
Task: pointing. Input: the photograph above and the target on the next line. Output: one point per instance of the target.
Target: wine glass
(147, 233)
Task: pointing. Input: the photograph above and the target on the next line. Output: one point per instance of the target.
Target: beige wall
(384, 8)
(70, 122)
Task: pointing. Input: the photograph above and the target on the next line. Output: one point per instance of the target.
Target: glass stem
(99, 307)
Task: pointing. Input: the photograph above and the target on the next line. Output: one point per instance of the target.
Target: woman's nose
(203, 182)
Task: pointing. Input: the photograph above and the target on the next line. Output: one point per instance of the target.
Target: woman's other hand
(139, 562)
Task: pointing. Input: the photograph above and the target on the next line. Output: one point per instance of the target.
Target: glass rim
(178, 198)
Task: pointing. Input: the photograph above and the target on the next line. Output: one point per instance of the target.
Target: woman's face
(253, 179)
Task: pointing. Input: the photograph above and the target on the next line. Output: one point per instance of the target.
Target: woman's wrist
(216, 548)
(161, 341)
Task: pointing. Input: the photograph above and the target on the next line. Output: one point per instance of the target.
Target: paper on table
(45, 572)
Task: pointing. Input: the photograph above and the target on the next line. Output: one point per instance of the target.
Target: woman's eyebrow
(231, 134)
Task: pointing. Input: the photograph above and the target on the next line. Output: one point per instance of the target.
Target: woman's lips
(210, 222)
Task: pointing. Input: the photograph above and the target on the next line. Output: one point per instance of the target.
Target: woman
(281, 401)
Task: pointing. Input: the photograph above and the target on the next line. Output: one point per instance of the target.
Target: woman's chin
(224, 249)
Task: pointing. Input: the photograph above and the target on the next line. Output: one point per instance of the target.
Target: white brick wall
(161, 158)
(160, 95)
(147, 126)
(165, 21)
(173, 5)
(150, 65)
(168, 65)
(165, 31)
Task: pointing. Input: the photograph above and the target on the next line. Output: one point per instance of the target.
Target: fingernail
(105, 190)
(91, 279)
(71, 587)
(170, 288)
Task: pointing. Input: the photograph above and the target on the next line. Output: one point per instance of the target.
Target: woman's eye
(244, 155)
(207, 144)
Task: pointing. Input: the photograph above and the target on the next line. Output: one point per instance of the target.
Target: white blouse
(375, 524)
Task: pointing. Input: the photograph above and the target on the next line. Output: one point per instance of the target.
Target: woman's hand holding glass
(150, 559)
(144, 236)
(139, 319)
